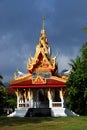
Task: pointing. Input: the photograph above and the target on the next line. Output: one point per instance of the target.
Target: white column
(17, 101)
(50, 103)
(31, 99)
(17, 94)
(50, 99)
(37, 100)
(26, 96)
(62, 98)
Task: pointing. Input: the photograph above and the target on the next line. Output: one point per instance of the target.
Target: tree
(11, 100)
(1, 84)
(2, 96)
(75, 63)
(7, 98)
(84, 52)
(77, 84)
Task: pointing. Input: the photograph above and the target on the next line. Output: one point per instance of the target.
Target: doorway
(41, 98)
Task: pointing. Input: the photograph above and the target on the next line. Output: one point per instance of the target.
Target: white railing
(21, 104)
(56, 104)
(24, 105)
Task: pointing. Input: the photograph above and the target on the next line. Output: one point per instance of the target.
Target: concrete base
(19, 112)
(55, 112)
(58, 112)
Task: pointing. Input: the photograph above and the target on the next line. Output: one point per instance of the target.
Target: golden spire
(43, 37)
(43, 19)
(43, 30)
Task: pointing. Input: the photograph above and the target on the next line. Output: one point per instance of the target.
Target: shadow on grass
(14, 121)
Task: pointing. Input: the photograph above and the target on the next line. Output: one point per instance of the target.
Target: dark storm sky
(21, 23)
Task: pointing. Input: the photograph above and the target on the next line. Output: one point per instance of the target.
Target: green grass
(60, 123)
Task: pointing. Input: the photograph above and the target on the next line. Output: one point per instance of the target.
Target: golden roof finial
(43, 18)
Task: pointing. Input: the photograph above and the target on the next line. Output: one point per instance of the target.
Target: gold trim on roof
(21, 78)
(59, 79)
(38, 80)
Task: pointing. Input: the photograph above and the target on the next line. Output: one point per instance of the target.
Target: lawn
(60, 123)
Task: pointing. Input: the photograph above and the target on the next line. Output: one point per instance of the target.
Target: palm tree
(75, 63)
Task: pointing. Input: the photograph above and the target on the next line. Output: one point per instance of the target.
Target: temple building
(42, 91)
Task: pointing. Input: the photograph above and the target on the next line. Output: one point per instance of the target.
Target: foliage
(10, 100)
(75, 63)
(84, 52)
(1, 84)
(7, 100)
(2, 95)
(77, 84)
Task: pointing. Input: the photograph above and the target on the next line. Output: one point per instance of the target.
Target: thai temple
(42, 91)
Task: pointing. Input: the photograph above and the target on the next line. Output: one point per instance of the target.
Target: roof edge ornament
(43, 19)
(43, 25)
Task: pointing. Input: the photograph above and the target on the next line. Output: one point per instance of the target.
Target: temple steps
(59, 112)
(42, 112)
(38, 112)
(19, 112)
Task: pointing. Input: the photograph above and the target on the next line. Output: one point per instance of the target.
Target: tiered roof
(42, 68)
(42, 61)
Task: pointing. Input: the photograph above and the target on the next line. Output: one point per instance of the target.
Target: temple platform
(60, 112)
(42, 112)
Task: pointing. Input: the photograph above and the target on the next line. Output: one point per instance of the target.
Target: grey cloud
(20, 25)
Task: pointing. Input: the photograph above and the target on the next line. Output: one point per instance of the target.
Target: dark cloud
(20, 25)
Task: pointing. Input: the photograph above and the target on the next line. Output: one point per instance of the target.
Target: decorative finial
(43, 22)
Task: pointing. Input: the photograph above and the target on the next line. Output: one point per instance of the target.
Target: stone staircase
(38, 112)
(42, 112)
(57, 112)
(19, 112)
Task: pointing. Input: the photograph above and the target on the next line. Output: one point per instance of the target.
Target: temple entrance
(40, 98)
